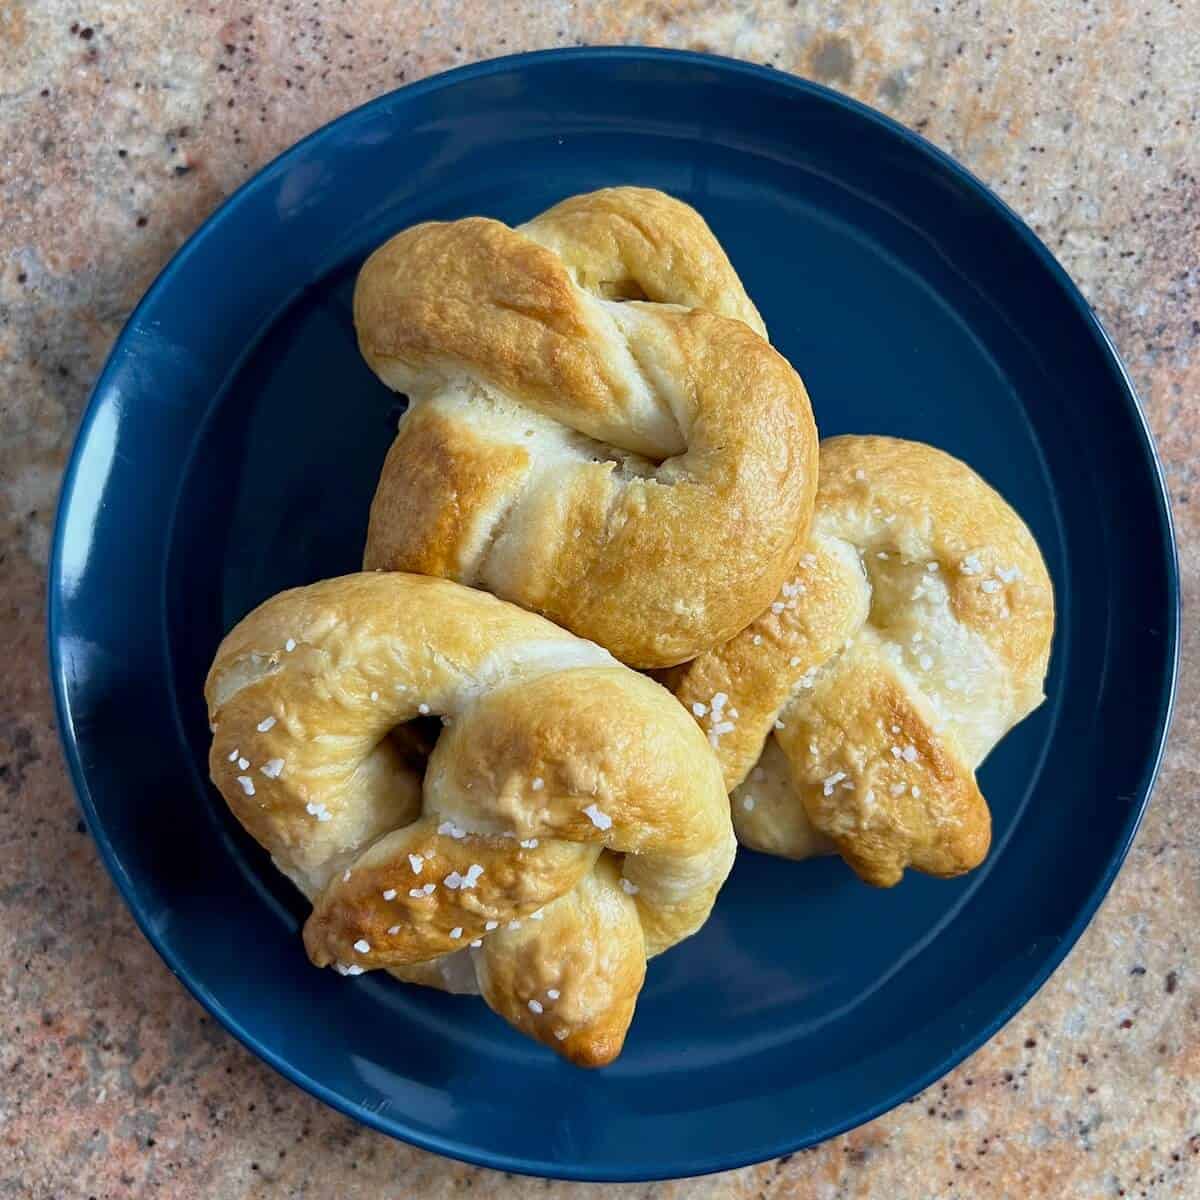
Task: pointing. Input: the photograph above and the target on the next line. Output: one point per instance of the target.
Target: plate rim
(616, 1172)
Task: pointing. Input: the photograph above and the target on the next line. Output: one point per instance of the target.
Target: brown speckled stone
(122, 124)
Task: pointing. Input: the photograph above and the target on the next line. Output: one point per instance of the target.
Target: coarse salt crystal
(423, 709)
(348, 968)
(265, 724)
(748, 803)
(1009, 574)
(528, 843)
(600, 819)
(363, 946)
(561, 1034)
(454, 831)
(290, 645)
(971, 565)
(897, 789)
(394, 929)
(777, 607)
(778, 723)
(860, 474)
(456, 932)
(832, 781)
(346, 875)
(390, 894)
(723, 727)
(538, 915)
(990, 585)
(794, 661)
(629, 888)
(538, 784)
(233, 754)
(932, 567)
(757, 639)
(909, 754)
(272, 768)
(416, 861)
(243, 763)
(374, 697)
(453, 881)
(471, 878)
(319, 811)
(895, 728)
(429, 888)
(416, 893)
(476, 944)
(698, 710)
(553, 993)
(535, 1007)
(247, 784)
(916, 791)
(490, 925)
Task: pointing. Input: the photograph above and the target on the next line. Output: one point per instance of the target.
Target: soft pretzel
(597, 429)
(914, 633)
(570, 824)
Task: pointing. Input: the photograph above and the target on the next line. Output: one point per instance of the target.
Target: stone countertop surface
(123, 124)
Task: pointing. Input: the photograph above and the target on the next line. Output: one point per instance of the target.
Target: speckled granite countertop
(123, 124)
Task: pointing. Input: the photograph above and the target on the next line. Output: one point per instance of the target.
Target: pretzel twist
(571, 821)
(916, 631)
(597, 427)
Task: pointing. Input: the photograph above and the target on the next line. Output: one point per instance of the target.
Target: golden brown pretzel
(914, 633)
(597, 428)
(571, 822)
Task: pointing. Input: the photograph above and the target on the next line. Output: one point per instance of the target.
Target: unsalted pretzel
(597, 428)
(571, 821)
(914, 633)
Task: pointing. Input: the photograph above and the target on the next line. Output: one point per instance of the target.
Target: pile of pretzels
(619, 610)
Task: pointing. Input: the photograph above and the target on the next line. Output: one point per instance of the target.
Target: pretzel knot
(597, 430)
(916, 631)
(571, 821)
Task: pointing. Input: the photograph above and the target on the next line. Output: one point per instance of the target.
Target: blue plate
(231, 449)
